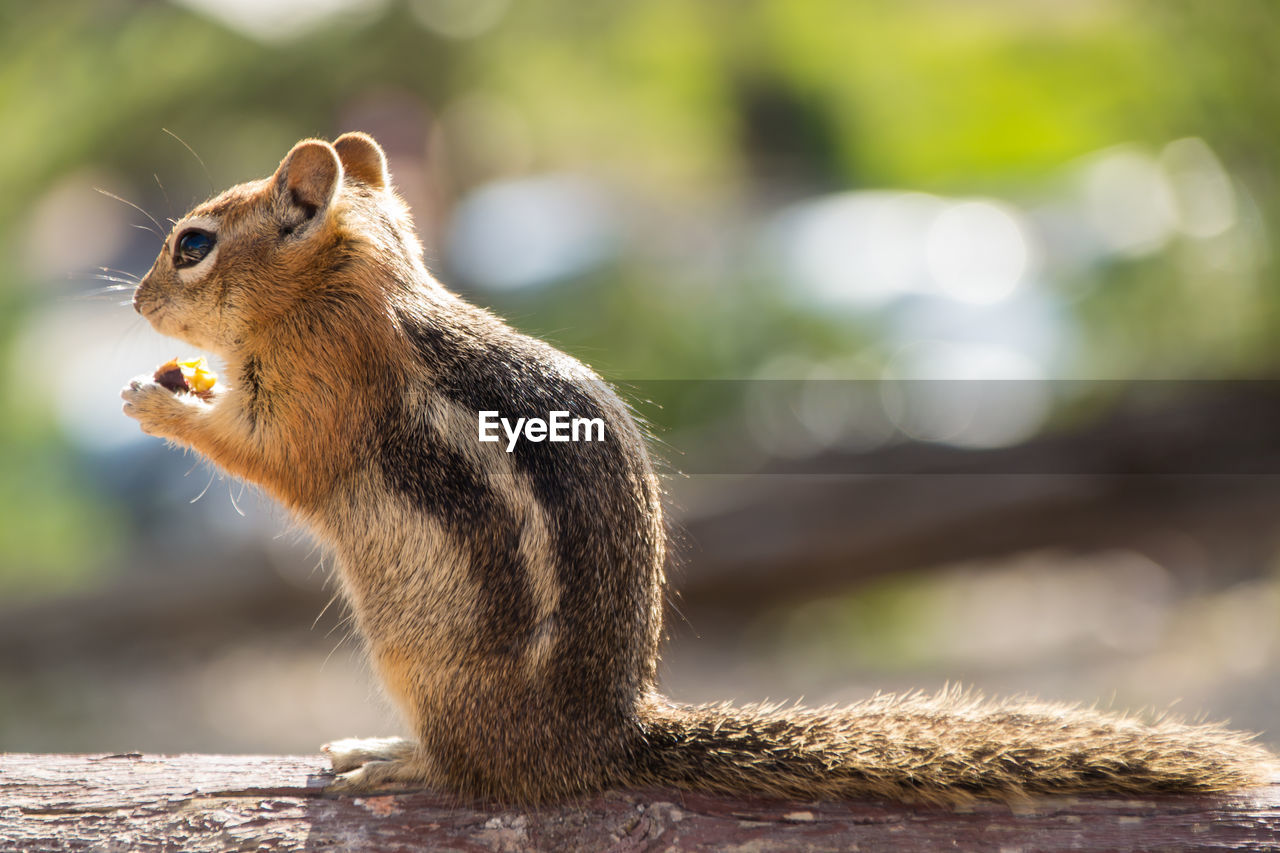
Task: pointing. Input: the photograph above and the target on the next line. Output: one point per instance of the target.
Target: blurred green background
(670, 190)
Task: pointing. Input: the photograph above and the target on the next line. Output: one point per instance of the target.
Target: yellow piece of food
(191, 376)
(198, 375)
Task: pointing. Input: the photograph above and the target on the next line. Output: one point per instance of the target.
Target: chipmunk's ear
(309, 176)
(362, 158)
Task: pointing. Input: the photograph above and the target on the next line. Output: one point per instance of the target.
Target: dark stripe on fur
(250, 376)
(417, 461)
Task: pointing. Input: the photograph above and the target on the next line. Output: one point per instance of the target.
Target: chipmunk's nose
(143, 300)
(142, 294)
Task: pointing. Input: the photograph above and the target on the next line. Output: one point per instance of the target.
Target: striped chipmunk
(511, 593)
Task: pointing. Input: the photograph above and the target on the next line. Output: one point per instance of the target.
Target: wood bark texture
(264, 803)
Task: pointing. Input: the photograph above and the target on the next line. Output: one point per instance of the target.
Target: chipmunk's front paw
(157, 410)
(380, 763)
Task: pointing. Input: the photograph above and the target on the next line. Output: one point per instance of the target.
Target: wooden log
(217, 802)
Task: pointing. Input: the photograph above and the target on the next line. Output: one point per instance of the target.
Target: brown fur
(512, 602)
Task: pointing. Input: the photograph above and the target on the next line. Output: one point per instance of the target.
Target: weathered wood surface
(214, 802)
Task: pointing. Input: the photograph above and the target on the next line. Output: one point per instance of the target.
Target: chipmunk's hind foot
(366, 764)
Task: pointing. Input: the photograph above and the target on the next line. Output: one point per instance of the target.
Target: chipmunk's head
(243, 260)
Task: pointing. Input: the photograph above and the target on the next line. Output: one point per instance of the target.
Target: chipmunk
(511, 596)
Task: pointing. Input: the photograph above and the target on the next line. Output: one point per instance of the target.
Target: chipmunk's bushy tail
(948, 748)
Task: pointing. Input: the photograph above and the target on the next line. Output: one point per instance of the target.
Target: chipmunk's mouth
(153, 313)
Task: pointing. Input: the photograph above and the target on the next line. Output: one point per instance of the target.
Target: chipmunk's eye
(191, 247)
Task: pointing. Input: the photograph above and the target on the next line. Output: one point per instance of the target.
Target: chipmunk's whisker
(122, 282)
(184, 144)
(159, 230)
(125, 273)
